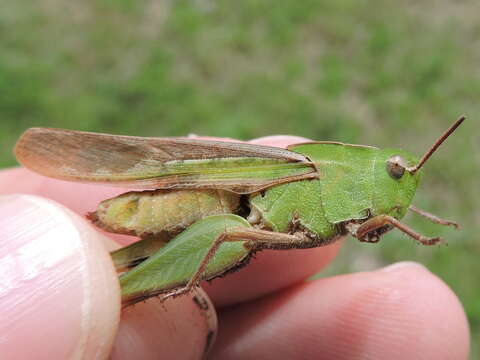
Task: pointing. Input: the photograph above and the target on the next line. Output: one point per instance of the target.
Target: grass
(383, 73)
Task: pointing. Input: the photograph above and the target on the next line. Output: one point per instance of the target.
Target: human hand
(59, 296)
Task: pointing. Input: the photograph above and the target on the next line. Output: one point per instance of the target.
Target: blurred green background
(383, 73)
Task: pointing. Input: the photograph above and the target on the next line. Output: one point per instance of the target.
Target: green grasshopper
(211, 204)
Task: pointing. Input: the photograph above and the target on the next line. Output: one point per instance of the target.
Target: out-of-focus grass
(382, 73)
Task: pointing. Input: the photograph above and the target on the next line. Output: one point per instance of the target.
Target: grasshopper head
(397, 176)
(395, 185)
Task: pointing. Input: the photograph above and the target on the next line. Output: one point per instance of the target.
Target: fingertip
(58, 278)
(394, 314)
(401, 311)
(179, 328)
(279, 140)
(437, 318)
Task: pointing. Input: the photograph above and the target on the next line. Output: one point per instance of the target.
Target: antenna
(435, 146)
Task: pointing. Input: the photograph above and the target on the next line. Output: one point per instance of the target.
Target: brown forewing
(138, 161)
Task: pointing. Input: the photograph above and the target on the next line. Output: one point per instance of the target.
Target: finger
(401, 312)
(56, 278)
(180, 328)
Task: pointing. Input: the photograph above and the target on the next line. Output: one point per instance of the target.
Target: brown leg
(382, 220)
(432, 217)
(254, 238)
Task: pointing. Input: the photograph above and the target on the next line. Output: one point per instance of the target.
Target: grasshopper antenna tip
(437, 143)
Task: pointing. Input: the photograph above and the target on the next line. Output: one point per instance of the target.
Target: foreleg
(382, 220)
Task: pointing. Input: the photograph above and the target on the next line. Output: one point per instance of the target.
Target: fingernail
(402, 265)
(42, 289)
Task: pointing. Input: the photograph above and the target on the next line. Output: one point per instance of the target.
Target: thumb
(59, 293)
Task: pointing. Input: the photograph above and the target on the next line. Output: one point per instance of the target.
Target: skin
(56, 274)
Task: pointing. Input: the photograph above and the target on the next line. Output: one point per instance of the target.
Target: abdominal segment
(151, 213)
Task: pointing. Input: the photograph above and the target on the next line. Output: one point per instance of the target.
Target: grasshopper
(202, 208)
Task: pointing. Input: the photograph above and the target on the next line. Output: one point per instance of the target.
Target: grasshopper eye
(396, 167)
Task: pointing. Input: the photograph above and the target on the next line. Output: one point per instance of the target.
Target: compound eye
(396, 167)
